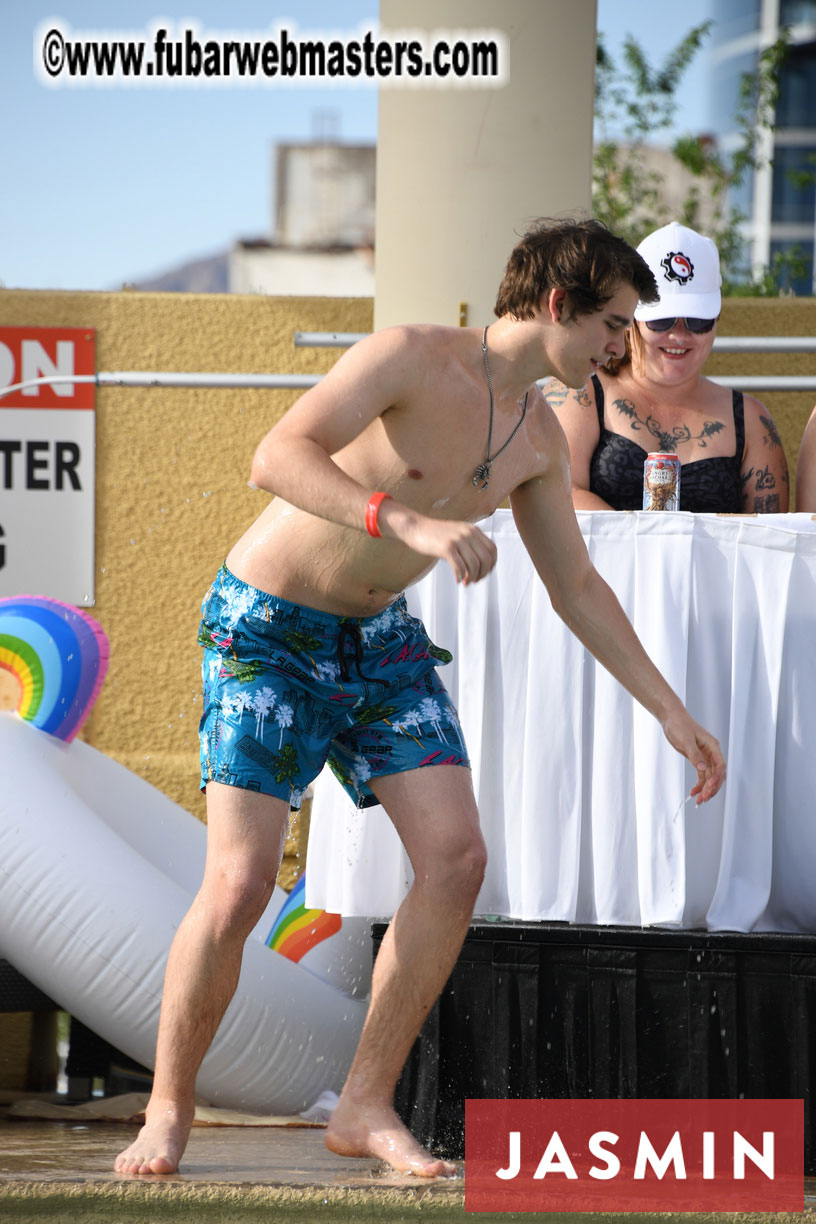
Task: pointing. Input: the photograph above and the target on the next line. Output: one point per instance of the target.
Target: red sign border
(82, 395)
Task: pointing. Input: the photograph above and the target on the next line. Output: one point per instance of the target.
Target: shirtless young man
(422, 414)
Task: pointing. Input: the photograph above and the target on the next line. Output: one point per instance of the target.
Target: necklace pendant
(482, 475)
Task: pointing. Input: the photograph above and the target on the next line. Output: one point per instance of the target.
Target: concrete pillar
(462, 171)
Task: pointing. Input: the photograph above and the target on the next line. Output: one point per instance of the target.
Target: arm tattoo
(767, 505)
(772, 437)
(765, 479)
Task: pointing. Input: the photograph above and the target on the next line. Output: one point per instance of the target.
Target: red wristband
(372, 510)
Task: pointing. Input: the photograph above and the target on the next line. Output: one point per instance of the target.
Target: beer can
(661, 482)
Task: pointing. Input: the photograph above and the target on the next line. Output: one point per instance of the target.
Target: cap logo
(677, 267)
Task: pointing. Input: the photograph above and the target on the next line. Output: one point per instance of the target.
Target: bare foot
(377, 1131)
(160, 1143)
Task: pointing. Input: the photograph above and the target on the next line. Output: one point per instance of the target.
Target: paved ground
(59, 1152)
(63, 1171)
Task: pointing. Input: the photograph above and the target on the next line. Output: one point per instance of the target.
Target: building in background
(322, 239)
(321, 236)
(779, 197)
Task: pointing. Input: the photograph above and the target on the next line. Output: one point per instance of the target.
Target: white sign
(47, 465)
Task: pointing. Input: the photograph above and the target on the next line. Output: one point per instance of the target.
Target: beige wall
(461, 172)
(773, 317)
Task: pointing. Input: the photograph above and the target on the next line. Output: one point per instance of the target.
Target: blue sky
(103, 186)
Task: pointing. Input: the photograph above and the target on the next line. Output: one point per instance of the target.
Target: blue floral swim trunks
(288, 688)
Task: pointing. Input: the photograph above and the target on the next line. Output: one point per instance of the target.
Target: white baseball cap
(686, 267)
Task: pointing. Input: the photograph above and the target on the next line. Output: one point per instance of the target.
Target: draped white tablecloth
(577, 789)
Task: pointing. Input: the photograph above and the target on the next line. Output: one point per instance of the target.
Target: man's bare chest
(448, 462)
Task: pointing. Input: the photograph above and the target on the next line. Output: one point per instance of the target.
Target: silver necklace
(482, 474)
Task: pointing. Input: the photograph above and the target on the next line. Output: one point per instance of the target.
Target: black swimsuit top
(706, 486)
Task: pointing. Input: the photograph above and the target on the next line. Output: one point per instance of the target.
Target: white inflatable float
(97, 869)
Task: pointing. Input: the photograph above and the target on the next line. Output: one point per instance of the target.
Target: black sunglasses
(698, 326)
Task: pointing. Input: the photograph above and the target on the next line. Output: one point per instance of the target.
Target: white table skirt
(578, 790)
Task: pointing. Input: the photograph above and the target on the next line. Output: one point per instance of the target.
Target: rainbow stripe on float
(297, 929)
(59, 656)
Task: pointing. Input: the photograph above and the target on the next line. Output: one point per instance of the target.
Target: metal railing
(166, 378)
(722, 344)
(327, 339)
(765, 344)
(765, 382)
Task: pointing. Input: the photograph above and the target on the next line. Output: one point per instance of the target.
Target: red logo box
(634, 1155)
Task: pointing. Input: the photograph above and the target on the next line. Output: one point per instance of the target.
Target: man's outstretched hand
(701, 750)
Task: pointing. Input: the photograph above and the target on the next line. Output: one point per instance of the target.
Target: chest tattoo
(667, 439)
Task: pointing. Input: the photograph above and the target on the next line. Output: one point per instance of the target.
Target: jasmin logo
(634, 1155)
(671, 1162)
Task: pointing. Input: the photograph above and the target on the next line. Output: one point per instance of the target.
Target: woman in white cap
(656, 399)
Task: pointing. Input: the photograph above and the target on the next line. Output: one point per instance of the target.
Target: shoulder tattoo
(555, 393)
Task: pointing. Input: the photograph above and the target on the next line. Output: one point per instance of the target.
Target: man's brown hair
(583, 258)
